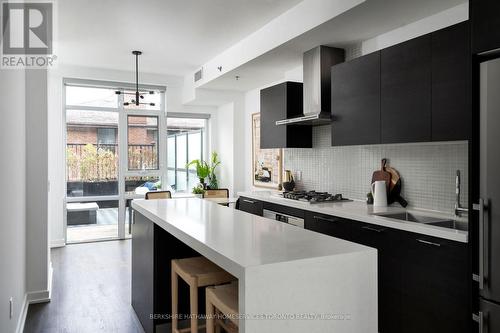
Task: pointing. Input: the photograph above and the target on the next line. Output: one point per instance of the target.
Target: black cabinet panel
(451, 89)
(251, 206)
(272, 108)
(388, 243)
(491, 316)
(356, 101)
(406, 91)
(152, 251)
(435, 285)
(277, 103)
(485, 20)
(328, 225)
(423, 282)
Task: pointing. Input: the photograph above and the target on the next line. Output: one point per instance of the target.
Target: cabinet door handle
(428, 243)
(482, 245)
(479, 318)
(324, 219)
(249, 201)
(373, 229)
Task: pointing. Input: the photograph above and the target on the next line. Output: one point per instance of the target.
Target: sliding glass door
(113, 155)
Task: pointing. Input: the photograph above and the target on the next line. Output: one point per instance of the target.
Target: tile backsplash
(427, 169)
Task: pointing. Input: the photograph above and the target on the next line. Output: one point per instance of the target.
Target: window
(109, 143)
(106, 136)
(91, 97)
(185, 142)
(142, 143)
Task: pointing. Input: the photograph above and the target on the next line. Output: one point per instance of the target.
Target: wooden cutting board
(395, 187)
(394, 177)
(382, 174)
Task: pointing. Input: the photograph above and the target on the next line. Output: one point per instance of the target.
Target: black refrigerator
(487, 214)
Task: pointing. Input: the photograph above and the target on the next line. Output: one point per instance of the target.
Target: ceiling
(176, 36)
(365, 21)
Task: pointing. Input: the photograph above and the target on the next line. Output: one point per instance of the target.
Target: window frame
(122, 136)
(204, 144)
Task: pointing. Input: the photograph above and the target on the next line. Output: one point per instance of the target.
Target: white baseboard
(57, 243)
(34, 297)
(22, 316)
(42, 296)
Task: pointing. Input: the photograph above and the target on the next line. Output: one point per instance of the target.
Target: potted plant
(212, 177)
(198, 191)
(202, 170)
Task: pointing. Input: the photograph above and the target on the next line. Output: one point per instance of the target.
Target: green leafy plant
(198, 190)
(202, 169)
(212, 177)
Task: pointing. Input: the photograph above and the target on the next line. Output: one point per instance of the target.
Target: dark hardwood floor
(90, 291)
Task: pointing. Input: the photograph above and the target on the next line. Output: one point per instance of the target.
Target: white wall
(421, 27)
(13, 198)
(224, 139)
(56, 126)
(37, 259)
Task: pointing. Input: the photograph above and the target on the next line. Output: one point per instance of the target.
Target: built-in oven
(293, 220)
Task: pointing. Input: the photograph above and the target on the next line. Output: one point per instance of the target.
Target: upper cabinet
(416, 91)
(485, 25)
(356, 101)
(279, 102)
(406, 91)
(451, 83)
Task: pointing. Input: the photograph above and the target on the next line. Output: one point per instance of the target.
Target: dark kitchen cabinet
(251, 206)
(356, 101)
(451, 83)
(387, 241)
(435, 285)
(279, 102)
(485, 25)
(423, 281)
(328, 225)
(406, 91)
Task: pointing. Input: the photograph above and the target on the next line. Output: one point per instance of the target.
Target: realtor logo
(27, 28)
(27, 35)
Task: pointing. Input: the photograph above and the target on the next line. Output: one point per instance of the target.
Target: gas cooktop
(314, 197)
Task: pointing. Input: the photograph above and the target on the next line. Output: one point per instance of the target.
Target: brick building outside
(100, 129)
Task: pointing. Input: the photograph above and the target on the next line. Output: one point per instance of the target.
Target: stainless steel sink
(413, 217)
(457, 225)
(435, 221)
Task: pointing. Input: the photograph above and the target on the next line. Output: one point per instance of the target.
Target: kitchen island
(290, 279)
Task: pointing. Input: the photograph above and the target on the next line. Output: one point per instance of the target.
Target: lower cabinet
(435, 285)
(423, 282)
(251, 206)
(328, 225)
(387, 241)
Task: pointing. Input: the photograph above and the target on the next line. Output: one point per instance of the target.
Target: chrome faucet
(458, 208)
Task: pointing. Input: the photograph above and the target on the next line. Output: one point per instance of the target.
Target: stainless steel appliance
(293, 220)
(317, 64)
(488, 205)
(314, 197)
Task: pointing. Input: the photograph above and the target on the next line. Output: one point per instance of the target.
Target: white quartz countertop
(360, 211)
(238, 240)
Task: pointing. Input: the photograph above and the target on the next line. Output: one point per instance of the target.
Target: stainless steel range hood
(317, 85)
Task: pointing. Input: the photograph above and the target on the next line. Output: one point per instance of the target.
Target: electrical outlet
(298, 175)
(11, 308)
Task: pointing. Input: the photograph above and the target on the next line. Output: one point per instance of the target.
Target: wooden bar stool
(219, 193)
(222, 302)
(196, 272)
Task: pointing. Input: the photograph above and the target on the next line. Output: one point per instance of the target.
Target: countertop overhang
(360, 211)
(238, 240)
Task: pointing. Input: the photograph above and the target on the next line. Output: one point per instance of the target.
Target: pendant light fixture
(138, 95)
